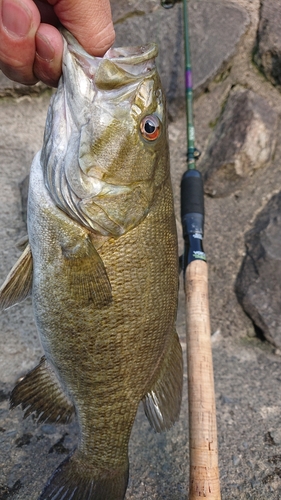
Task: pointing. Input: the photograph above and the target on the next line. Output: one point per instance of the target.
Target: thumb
(89, 21)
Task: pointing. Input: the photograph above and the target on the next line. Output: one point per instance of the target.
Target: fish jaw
(98, 166)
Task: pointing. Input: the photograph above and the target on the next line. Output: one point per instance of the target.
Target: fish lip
(119, 55)
(132, 55)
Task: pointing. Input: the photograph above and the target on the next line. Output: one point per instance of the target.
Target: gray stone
(268, 50)
(48, 429)
(276, 436)
(236, 460)
(243, 141)
(10, 88)
(123, 10)
(23, 187)
(258, 285)
(215, 30)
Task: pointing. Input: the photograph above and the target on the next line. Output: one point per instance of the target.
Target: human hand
(30, 44)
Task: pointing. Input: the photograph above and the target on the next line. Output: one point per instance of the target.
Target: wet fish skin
(103, 243)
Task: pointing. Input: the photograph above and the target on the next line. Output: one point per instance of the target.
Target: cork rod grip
(204, 471)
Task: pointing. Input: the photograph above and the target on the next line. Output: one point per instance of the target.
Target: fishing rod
(204, 472)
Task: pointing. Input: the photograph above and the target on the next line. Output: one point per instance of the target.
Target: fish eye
(150, 127)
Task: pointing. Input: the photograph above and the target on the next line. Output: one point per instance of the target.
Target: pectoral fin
(87, 275)
(162, 403)
(18, 283)
(39, 392)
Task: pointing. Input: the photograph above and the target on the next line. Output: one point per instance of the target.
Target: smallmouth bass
(101, 264)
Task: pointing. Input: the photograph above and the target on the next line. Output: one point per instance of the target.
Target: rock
(268, 50)
(258, 285)
(6, 491)
(215, 30)
(243, 141)
(23, 187)
(3, 396)
(276, 436)
(23, 440)
(213, 48)
(236, 460)
(142, 21)
(123, 10)
(225, 400)
(12, 89)
(59, 447)
(48, 429)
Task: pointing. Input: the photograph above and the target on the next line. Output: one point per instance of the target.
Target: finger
(89, 21)
(48, 57)
(19, 21)
(47, 13)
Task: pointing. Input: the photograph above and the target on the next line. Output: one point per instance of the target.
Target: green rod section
(188, 93)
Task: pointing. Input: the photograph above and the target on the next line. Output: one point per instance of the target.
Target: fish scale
(102, 267)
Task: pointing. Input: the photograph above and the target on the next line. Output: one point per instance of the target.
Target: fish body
(103, 258)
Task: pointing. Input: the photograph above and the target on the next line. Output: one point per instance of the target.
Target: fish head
(109, 158)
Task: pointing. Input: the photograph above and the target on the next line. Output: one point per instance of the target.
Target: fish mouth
(132, 55)
(135, 60)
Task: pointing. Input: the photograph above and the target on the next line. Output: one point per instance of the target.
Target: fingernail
(16, 18)
(43, 48)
